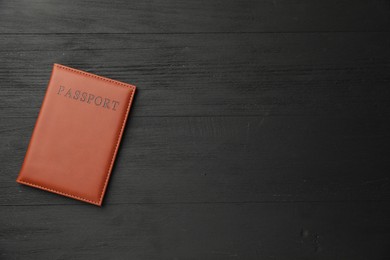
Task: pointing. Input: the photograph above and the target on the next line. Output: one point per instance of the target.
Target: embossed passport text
(76, 136)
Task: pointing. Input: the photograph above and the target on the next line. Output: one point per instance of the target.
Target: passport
(77, 134)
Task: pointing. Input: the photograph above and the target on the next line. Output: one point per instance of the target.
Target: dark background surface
(259, 130)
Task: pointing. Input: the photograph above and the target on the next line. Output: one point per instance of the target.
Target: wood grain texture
(198, 231)
(259, 129)
(229, 159)
(175, 16)
(343, 74)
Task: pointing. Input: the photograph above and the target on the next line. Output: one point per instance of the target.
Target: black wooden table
(260, 129)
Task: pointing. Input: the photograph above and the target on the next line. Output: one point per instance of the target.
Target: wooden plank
(160, 16)
(228, 159)
(343, 74)
(193, 231)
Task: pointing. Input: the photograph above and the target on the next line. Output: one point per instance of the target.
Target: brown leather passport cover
(77, 134)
